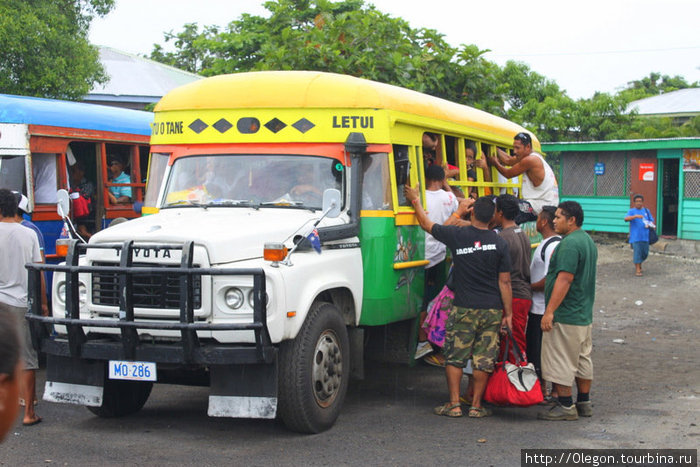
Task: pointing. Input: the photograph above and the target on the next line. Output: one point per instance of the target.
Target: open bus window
(432, 153)
(376, 194)
(501, 179)
(125, 167)
(12, 173)
(44, 173)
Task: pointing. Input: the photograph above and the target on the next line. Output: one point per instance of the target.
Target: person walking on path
(641, 221)
(19, 246)
(568, 316)
(482, 300)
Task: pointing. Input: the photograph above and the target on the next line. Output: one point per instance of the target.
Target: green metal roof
(622, 145)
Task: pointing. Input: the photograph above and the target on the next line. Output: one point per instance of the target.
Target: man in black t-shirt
(482, 289)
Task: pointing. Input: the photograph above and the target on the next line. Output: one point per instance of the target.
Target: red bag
(513, 384)
(81, 205)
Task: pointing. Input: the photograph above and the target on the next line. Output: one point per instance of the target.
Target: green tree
(342, 37)
(44, 49)
(352, 38)
(653, 85)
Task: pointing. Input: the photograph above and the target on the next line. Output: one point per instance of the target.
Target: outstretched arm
(413, 195)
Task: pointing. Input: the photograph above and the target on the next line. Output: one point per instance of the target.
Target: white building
(135, 81)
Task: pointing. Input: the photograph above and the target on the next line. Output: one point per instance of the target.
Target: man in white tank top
(540, 186)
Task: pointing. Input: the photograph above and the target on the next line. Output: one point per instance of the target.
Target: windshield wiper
(184, 203)
(229, 202)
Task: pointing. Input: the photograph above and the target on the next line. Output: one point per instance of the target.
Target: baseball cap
(22, 202)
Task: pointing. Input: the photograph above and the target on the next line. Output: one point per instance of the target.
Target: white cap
(24, 204)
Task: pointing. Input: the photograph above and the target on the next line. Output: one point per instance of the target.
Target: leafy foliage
(44, 50)
(353, 38)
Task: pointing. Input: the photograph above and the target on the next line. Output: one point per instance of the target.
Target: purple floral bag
(434, 324)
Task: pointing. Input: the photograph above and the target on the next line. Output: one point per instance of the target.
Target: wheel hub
(327, 370)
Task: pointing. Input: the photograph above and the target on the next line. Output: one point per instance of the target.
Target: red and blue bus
(45, 144)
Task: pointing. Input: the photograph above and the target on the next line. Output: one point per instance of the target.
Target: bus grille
(159, 291)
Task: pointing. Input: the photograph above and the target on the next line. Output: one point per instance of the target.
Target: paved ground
(646, 395)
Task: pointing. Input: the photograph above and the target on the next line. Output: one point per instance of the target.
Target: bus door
(393, 245)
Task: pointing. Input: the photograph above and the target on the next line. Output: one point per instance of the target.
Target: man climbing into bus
(441, 205)
(482, 300)
(539, 183)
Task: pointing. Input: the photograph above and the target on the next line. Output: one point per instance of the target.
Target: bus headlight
(234, 298)
(61, 292)
(251, 298)
(82, 293)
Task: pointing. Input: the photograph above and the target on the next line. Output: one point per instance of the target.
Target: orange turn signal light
(274, 252)
(62, 247)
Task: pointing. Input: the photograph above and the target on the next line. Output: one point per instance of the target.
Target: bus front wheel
(314, 371)
(120, 398)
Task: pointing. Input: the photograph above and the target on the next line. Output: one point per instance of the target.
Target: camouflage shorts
(472, 333)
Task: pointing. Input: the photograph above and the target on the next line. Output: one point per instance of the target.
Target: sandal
(479, 412)
(447, 408)
(433, 360)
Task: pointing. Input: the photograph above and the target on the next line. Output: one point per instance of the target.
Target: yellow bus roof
(315, 89)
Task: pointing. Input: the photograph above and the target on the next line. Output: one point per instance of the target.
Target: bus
(44, 141)
(279, 235)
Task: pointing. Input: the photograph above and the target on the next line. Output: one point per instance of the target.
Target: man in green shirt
(568, 316)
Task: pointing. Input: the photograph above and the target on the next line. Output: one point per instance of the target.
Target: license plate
(134, 371)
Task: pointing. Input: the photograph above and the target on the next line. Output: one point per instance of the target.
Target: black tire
(122, 398)
(314, 370)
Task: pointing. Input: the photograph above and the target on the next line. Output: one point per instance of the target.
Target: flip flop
(36, 421)
(638, 274)
(465, 400)
(447, 408)
(433, 360)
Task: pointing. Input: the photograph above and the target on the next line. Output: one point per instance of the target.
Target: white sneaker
(422, 349)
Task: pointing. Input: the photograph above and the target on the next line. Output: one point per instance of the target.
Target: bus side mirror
(331, 202)
(63, 203)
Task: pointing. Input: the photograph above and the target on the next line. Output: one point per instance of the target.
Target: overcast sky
(598, 45)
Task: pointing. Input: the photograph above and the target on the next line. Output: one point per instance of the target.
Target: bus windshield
(252, 180)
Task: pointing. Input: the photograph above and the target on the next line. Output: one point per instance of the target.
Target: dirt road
(646, 394)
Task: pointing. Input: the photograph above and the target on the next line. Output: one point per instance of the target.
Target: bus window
(44, 172)
(156, 172)
(12, 173)
(431, 149)
(124, 167)
(503, 180)
(402, 167)
(376, 194)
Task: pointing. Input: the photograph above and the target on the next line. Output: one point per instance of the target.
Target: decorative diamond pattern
(303, 125)
(198, 126)
(222, 125)
(275, 125)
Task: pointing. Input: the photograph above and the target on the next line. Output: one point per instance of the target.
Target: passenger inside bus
(118, 194)
(82, 193)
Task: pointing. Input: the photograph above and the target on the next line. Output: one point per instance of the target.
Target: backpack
(546, 244)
